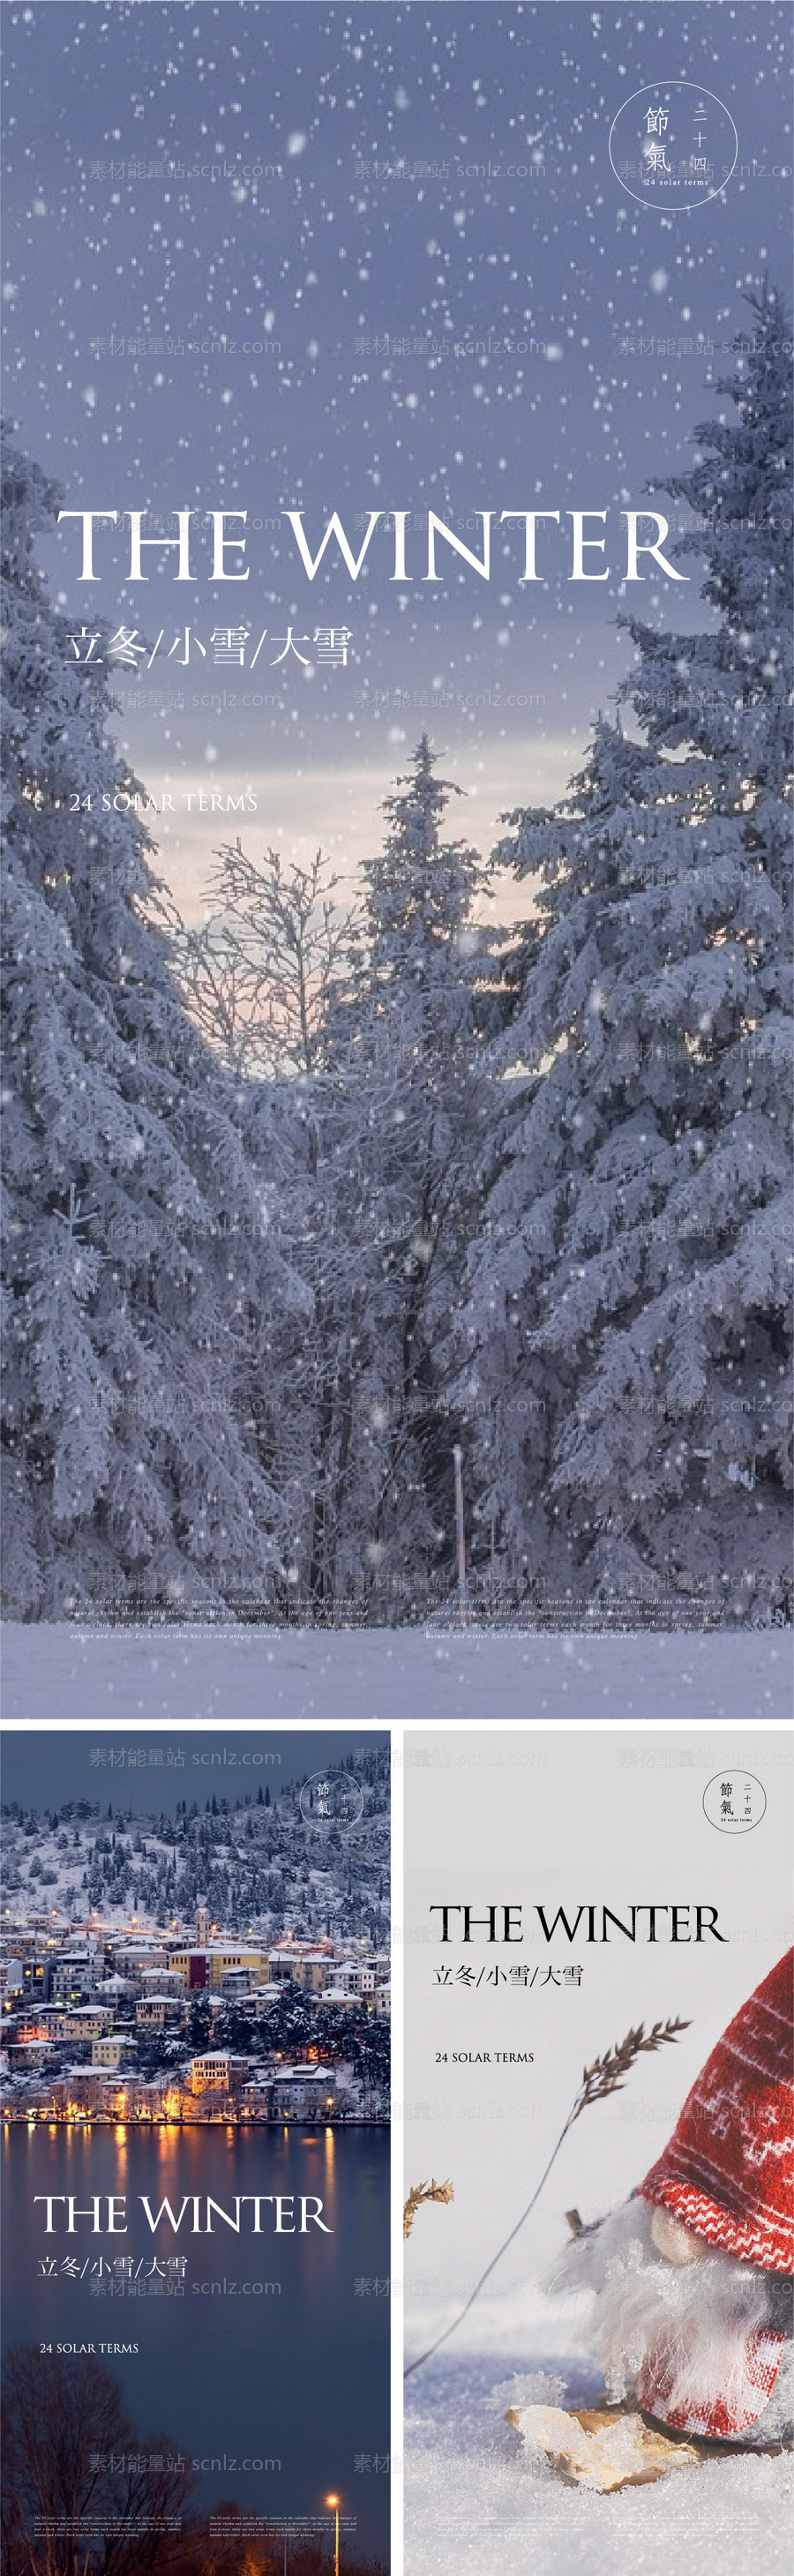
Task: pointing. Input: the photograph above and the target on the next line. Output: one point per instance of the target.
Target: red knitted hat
(727, 2170)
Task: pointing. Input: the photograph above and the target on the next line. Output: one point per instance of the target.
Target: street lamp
(333, 2501)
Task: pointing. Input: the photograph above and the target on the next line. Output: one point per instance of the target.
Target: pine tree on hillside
(139, 1278)
(631, 1289)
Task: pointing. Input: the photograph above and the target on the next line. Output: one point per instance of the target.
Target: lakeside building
(158, 2012)
(111, 2047)
(305, 2091)
(218, 2071)
(202, 1970)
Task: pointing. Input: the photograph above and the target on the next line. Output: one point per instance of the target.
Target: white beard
(677, 2333)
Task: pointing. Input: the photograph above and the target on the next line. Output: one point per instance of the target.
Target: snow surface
(59, 1674)
(475, 2499)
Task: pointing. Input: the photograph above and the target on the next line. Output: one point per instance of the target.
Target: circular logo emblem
(331, 1798)
(734, 1802)
(673, 146)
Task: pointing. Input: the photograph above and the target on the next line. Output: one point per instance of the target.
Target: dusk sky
(45, 1769)
(285, 208)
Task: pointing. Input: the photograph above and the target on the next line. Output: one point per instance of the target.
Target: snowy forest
(303, 1200)
(252, 1863)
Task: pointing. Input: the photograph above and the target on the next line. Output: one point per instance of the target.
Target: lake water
(296, 2372)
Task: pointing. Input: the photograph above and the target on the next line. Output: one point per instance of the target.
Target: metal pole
(333, 2503)
(460, 1533)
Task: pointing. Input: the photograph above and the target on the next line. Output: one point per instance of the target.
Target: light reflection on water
(299, 2371)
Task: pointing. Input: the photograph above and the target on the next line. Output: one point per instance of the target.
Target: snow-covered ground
(475, 2500)
(59, 1674)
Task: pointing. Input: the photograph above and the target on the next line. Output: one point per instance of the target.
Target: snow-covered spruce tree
(139, 1279)
(631, 1290)
(727, 693)
(409, 1049)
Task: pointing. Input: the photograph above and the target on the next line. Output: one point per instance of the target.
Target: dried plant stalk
(606, 2075)
(418, 2194)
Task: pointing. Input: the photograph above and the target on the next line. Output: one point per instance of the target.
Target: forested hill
(261, 1867)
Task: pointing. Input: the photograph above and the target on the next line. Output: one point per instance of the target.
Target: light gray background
(558, 1817)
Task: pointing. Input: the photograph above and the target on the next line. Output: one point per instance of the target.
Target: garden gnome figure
(692, 2313)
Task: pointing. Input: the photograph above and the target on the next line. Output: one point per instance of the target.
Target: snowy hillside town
(101, 2022)
(225, 1961)
(370, 1249)
(107, 2023)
